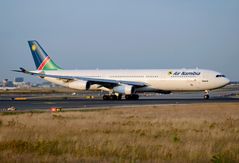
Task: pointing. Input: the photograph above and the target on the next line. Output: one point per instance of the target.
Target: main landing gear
(132, 97)
(206, 95)
(112, 97)
(119, 97)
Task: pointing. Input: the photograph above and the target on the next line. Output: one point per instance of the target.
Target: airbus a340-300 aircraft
(125, 82)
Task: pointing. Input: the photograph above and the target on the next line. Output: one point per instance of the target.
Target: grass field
(174, 133)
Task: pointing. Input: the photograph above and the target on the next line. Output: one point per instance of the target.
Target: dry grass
(176, 133)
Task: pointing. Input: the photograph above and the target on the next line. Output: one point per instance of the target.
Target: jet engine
(80, 85)
(124, 89)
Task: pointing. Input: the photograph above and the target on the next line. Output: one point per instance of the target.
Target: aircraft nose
(226, 81)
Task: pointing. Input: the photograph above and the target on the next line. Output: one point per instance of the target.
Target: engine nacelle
(124, 89)
(80, 85)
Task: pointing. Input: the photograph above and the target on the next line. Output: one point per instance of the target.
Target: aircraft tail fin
(41, 58)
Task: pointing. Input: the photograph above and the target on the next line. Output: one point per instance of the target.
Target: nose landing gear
(206, 95)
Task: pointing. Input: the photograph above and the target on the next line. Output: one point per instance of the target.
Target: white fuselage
(156, 79)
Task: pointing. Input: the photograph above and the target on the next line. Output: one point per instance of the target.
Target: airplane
(127, 83)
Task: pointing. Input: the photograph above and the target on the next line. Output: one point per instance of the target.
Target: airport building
(7, 83)
(19, 82)
(19, 79)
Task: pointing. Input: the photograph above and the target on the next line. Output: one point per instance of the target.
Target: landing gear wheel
(119, 97)
(132, 97)
(113, 97)
(127, 97)
(206, 97)
(135, 97)
(106, 97)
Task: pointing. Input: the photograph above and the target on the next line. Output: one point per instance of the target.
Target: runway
(30, 102)
(39, 104)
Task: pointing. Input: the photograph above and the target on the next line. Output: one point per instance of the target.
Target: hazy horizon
(121, 34)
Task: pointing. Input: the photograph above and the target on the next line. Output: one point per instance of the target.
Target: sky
(121, 34)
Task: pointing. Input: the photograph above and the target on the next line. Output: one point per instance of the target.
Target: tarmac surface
(43, 102)
(38, 99)
(81, 103)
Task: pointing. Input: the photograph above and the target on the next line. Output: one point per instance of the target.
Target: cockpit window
(220, 76)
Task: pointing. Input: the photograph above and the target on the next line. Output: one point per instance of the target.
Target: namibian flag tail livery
(41, 59)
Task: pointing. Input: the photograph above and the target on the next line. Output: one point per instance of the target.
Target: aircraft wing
(104, 82)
